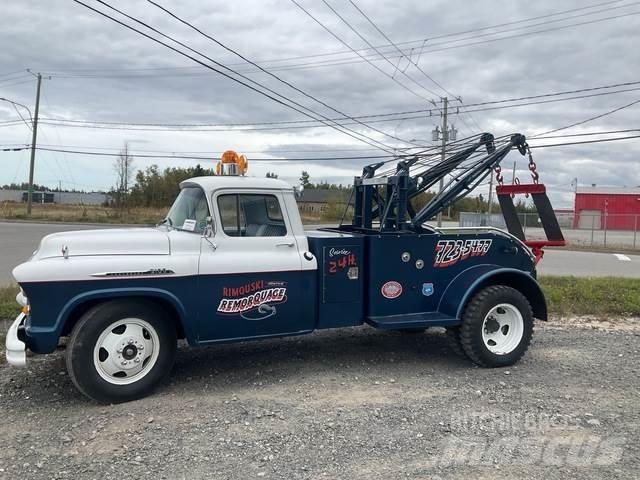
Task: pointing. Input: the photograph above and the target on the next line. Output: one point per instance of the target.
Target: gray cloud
(60, 36)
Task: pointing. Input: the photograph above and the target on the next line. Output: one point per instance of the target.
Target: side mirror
(210, 229)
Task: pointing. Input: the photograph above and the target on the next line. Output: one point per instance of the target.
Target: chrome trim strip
(151, 272)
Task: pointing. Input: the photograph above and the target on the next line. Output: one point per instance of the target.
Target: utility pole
(34, 139)
(445, 135)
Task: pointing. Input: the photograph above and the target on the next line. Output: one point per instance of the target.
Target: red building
(605, 207)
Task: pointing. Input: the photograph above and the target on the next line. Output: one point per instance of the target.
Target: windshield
(190, 211)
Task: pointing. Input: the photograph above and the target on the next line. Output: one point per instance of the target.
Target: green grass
(592, 296)
(8, 311)
(8, 306)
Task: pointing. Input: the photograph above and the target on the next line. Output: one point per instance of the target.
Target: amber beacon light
(231, 163)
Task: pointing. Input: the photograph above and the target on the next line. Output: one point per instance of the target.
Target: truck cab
(232, 262)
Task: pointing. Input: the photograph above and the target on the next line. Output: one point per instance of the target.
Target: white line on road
(621, 257)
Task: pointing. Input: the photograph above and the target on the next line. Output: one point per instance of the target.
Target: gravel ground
(353, 404)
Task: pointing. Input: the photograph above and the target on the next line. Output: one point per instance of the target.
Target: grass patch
(8, 306)
(592, 296)
(8, 311)
(99, 214)
(82, 213)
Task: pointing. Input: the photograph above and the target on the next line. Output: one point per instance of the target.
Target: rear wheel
(497, 326)
(120, 350)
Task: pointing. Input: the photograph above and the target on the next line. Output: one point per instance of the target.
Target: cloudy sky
(97, 71)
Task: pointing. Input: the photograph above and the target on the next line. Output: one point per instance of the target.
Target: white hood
(121, 241)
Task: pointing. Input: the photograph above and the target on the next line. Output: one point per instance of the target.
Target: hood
(119, 241)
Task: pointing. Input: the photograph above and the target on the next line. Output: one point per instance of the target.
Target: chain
(532, 166)
(499, 177)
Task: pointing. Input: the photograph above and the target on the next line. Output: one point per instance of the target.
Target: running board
(412, 320)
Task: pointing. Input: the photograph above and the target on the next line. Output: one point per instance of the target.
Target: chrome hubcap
(502, 329)
(126, 351)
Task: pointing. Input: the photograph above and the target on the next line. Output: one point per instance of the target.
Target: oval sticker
(391, 290)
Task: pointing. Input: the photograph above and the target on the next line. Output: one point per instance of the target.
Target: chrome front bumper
(16, 350)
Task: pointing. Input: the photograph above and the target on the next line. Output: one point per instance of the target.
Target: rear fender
(468, 283)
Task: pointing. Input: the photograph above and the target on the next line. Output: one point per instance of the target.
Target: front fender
(44, 339)
(469, 282)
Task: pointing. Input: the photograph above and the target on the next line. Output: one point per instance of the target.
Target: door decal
(253, 301)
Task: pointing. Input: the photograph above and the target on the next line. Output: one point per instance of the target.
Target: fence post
(605, 228)
(635, 232)
(593, 220)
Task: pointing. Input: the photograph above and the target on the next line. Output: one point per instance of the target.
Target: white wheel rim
(502, 329)
(126, 351)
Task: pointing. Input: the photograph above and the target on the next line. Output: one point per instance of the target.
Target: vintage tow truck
(231, 262)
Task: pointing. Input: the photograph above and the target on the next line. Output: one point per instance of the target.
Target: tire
(497, 326)
(120, 350)
(454, 341)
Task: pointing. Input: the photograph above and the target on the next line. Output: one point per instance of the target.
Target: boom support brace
(383, 203)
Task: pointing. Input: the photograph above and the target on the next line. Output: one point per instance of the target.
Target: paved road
(19, 240)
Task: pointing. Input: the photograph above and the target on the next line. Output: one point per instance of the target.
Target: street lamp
(19, 105)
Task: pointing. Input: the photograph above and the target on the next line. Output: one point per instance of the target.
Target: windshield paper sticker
(189, 225)
(261, 296)
(449, 252)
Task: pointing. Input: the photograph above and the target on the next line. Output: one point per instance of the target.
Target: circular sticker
(391, 290)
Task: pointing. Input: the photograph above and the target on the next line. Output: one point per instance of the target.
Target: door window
(251, 215)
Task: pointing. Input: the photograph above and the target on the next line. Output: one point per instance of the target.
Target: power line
(290, 125)
(583, 142)
(588, 134)
(582, 122)
(409, 59)
(346, 131)
(217, 42)
(346, 44)
(192, 157)
(382, 146)
(407, 43)
(369, 116)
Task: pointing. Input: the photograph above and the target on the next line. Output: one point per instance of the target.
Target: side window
(251, 215)
(231, 215)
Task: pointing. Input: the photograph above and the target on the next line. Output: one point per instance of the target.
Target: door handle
(286, 244)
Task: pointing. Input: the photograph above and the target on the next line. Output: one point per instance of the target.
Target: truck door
(251, 279)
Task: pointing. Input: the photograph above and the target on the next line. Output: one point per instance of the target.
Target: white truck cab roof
(211, 183)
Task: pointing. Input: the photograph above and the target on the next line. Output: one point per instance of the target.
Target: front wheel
(120, 350)
(497, 326)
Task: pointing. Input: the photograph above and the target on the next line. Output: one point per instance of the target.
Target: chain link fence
(600, 230)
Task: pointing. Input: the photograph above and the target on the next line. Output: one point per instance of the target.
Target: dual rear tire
(496, 328)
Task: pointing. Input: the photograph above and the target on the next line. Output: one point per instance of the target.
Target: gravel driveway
(344, 404)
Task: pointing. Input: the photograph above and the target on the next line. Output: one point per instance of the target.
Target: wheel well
(525, 285)
(79, 310)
